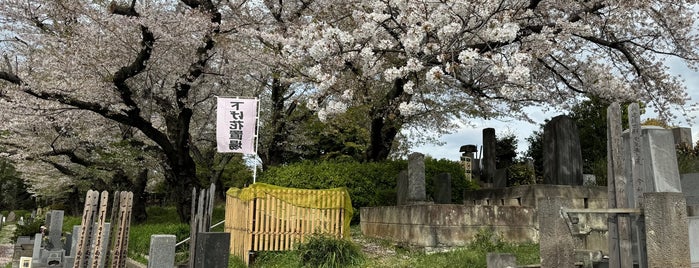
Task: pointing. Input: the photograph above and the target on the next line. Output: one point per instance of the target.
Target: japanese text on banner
(236, 124)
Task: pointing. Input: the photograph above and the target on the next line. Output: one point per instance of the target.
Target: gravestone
(442, 188)
(489, 154)
(562, 154)
(402, 188)
(11, 216)
(212, 250)
(667, 230)
(501, 260)
(693, 238)
(556, 244)
(690, 188)
(55, 229)
(74, 240)
(162, 251)
(36, 251)
(500, 178)
(416, 178)
(659, 168)
(682, 136)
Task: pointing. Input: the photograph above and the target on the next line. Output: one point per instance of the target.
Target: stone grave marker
(556, 244)
(682, 136)
(442, 188)
(161, 253)
(500, 178)
(690, 188)
(36, 251)
(11, 216)
(562, 154)
(693, 238)
(501, 260)
(212, 250)
(74, 240)
(658, 166)
(55, 229)
(416, 178)
(667, 230)
(489, 154)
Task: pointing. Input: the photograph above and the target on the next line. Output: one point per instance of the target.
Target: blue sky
(522, 129)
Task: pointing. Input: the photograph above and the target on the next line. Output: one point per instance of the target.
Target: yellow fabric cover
(299, 198)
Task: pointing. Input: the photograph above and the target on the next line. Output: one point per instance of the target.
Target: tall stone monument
(562, 154)
(416, 178)
(489, 154)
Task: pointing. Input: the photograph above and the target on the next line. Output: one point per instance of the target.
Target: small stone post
(162, 251)
(556, 243)
(501, 260)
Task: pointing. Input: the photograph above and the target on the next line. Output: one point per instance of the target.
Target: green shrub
(487, 240)
(326, 251)
(521, 174)
(29, 228)
(369, 184)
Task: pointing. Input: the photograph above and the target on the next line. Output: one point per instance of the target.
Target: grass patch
(329, 252)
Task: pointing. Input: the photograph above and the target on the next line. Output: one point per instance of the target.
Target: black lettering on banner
(235, 144)
(236, 127)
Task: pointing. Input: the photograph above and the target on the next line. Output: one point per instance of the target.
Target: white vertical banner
(236, 125)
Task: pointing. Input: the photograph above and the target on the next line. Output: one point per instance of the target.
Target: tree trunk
(181, 181)
(386, 122)
(139, 192)
(275, 150)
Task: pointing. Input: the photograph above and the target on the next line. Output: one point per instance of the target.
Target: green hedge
(369, 184)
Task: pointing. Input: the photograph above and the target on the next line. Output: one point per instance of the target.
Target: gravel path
(6, 244)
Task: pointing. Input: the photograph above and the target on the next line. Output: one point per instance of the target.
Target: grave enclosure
(94, 243)
(642, 205)
(264, 217)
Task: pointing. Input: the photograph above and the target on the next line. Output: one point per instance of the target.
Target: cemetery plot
(264, 217)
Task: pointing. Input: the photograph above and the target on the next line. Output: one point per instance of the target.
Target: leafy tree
(688, 158)
(535, 152)
(505, 149)
(13, 191)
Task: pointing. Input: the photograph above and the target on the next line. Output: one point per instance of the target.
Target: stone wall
(511, 212)
(527, 195)
(447, 225)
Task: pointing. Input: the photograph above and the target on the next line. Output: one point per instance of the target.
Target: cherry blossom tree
(426, 63)
(141, 65)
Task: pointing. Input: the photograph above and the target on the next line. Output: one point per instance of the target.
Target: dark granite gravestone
(442, 188)
(682, 135)
(562, 154)
(489, 154)
(212, 250)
